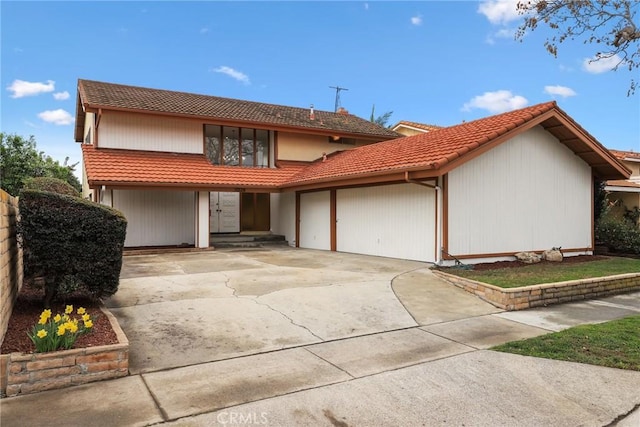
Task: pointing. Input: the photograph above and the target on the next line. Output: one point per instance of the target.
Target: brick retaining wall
(546, 294)
(10, 259)
(27, 373)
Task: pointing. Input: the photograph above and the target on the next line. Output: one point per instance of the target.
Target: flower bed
(25, 373)
(546, 294)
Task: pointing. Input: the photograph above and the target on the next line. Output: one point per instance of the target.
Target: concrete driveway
(191, 308)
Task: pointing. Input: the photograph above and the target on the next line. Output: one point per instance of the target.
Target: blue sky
(431, 62)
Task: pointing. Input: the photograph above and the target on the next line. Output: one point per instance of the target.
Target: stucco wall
(294, 146)
(10, 259)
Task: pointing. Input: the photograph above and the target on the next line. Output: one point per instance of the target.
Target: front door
(225, 212)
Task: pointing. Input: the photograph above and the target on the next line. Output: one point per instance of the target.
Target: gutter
(439, 212)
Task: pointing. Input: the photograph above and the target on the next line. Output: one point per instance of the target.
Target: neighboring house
(412, 128)
(626, 192)
(481, 190)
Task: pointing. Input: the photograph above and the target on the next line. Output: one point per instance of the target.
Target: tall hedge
(54, 185)
(70, 240)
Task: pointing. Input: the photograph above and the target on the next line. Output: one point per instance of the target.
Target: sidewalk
(436, 374)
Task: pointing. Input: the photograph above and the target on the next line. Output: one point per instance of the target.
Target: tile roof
(430, 150)
(417, 125)
(622, 155)
(132, 167)
(96, 95)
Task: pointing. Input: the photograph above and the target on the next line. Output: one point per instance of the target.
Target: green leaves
(20, 161)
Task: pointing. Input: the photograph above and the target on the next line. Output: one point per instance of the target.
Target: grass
(615, 344)
(550, 272)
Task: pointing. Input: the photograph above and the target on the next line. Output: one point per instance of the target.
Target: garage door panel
(395, 221)
(315, 231)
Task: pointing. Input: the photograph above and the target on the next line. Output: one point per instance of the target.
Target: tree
(20, 161)
(608, 23)
(380, 120)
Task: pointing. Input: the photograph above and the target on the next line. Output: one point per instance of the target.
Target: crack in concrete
(255, 300)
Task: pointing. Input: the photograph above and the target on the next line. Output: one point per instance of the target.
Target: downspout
(438, 213)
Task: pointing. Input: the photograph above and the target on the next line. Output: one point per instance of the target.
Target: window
(232, 146)
(341, 140)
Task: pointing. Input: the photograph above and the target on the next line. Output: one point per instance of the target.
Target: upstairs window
(233, 146)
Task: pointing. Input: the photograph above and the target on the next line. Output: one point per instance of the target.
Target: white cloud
(235, 74)
(21, 88)
(61, 96)
(499, 11)
(57, 117)
(562, 91)
(496, 102)
(366, 6)
(600, 64)
(416, 20)
(504, 33)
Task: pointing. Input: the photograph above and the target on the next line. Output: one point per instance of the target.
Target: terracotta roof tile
(417, 125)
(621, 155)
(133, 167)
(108, 95)
(430, 150)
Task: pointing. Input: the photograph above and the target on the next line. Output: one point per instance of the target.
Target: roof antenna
(338, 89)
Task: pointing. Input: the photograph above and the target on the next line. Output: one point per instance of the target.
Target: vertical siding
(283, 216)
(315, 232)
(395, 221)
(157, 218)
(145, 132)
(530, 193)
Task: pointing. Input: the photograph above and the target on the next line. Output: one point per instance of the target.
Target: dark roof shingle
(95, 95)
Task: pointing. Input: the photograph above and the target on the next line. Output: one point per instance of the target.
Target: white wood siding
(396, 221)
(145, 132)
(529, 193)
(283, 216)
(315, 232)
(157, 218)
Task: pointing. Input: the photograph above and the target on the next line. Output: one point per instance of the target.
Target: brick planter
(546, 294)
(25, 373)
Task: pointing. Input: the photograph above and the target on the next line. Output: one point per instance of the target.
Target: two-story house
(626, 193)
(182, 166)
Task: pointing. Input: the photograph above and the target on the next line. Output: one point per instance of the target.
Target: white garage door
(396, 221)
(315, 231)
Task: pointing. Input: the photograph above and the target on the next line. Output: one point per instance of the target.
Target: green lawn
(615, 344)
(549, 272)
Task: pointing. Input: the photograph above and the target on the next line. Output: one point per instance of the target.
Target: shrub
(72, 242)
(53, 185)
(618, 234)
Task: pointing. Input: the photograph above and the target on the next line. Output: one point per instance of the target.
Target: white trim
(622, 189)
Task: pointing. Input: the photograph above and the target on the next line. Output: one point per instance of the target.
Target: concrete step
(252, 244)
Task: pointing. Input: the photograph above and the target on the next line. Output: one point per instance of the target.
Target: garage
(397, 221)
(315, 224)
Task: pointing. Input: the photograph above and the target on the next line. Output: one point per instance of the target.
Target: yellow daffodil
(42, 321)
(68, 310)
(57, 318)
(47, 313)
(61, 330)
(65, 317)
(42, 333)
(85, 317)
(81, 311)
(71, 327)
(88, 324)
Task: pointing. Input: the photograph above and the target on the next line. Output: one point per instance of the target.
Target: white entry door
(225, 212)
